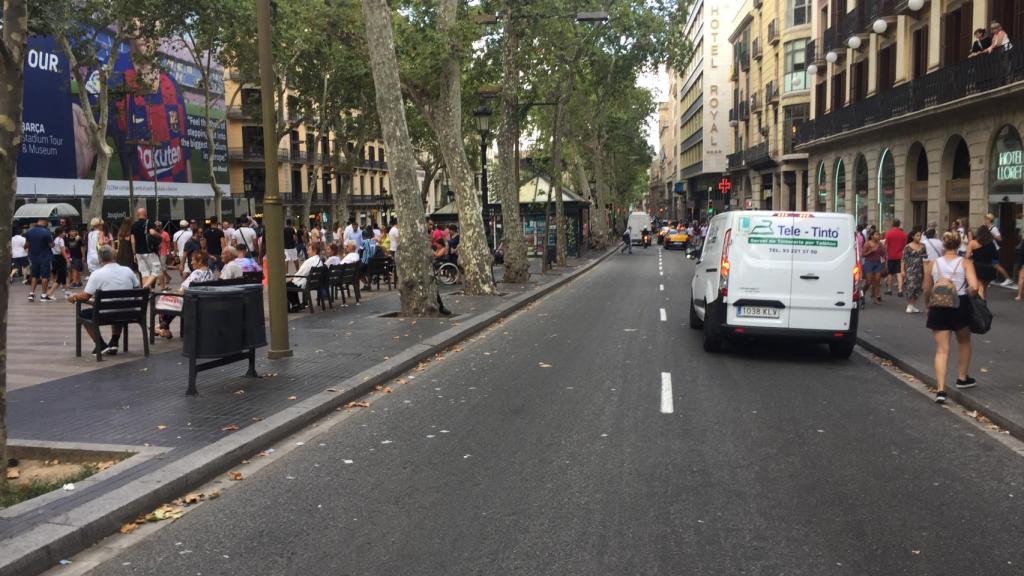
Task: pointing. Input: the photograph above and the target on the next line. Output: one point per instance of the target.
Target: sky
(658, 83)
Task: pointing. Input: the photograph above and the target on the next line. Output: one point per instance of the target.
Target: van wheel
(841, 350)
(712, 331)
(695, 322)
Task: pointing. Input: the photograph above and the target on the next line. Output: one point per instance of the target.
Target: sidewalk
(998, 357)
(141, 404)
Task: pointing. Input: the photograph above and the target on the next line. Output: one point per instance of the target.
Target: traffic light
(711, 210)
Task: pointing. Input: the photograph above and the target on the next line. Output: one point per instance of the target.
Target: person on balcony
(981, 43)
(1000, 39)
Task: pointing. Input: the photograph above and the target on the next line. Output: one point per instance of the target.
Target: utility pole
(273, 219)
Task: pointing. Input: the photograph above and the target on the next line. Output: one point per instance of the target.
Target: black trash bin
(222, 323)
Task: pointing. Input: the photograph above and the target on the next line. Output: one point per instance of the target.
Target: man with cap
(181, 238)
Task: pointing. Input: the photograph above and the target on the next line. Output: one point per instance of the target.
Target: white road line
(661, 287)
(660, 273)
(664, 316)
(666, 393)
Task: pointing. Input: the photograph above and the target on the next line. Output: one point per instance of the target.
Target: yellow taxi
(676, 239)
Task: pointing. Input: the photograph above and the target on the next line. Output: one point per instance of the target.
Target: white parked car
(778, 274)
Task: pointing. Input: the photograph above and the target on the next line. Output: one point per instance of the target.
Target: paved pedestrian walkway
(998, 362)
(142, 402)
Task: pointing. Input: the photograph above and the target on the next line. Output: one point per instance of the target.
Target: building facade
(772, 95)
(696, 139)
(905, 124)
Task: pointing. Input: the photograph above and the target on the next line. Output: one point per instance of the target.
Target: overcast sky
(658, 82)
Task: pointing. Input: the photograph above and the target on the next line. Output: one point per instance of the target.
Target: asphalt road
(552, 446)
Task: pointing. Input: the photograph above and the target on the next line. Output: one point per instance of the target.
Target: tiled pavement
(141, 401)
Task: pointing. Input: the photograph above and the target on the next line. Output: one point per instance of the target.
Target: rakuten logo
(161, 160)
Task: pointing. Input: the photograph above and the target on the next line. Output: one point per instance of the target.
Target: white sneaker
(910, 309)
(914, 309)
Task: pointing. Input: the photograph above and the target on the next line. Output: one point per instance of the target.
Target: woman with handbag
(200, 273)
(947, 281)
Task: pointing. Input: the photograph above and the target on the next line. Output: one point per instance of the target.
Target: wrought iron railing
(773, 32)
(967, 78)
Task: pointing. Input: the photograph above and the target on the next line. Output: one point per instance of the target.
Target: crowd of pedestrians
(950, 271)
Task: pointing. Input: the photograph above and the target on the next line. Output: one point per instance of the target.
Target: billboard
(157, 126)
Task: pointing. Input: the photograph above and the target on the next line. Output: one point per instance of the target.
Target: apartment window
(794, 116)
(797, 12)
(796, 66)
(886, 67)
(920, 52)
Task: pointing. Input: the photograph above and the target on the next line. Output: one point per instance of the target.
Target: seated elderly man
(109, 276)
(299, 278)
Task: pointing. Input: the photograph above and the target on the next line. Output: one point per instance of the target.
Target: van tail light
(858, 272)
(723, 266)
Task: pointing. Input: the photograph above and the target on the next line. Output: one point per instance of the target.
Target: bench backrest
(379, 266)
(232, 281)
(120, 305)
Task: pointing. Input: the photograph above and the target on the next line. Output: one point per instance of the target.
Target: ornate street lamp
(483, 125)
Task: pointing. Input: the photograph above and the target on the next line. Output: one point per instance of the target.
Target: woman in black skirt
(945, 321)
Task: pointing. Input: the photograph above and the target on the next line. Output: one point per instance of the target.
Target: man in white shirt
(393, 236)
(109, 276)
(180, 239)
(351, 255)
(997, 238)
(245, 235)
(353, 232)
(299, 279)
(19, 256)
(229, 233)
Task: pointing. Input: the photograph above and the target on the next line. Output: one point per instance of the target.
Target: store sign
(1010, 166)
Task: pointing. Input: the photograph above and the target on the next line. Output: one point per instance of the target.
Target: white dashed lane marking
(666, 393)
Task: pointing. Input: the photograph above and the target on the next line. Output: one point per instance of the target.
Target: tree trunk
(446, 121)
(311, 170)
(556, 182)
(416, 283)
(218, 193)
(341, 204)
(517, 267)
(600, 227)
(97, 124)
(12, 69)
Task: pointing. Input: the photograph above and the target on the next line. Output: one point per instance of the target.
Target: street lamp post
(483, 126)
(273, 218)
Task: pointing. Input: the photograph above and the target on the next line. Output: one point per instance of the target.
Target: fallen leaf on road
(915, 552)
(161, 427)
(401, 381)
(235, 476)
(128, 528)
(13, 474)
(165, 512)
(629, 329)
(291, 397)
(331, 390)
(357, 405)
(257, 418)
(984, 370)
(238, 392)
(214, 494)
(104, 465)
(229, 428)
(270, 374)
(544, 365)
(387, 389)
(193, 498)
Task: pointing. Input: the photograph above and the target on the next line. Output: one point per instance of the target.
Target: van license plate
(758, 312)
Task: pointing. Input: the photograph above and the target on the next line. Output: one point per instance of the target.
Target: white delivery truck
(778, 274)
(637, 222)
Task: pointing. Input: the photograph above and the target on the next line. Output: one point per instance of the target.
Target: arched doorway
(1006, 190)
(886, 189)
(916, 178)
(820, 189)
(860, 190)
(956, 180)
(839, 187)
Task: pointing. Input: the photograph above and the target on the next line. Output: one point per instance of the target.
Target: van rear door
(824, 257)
(760, 275)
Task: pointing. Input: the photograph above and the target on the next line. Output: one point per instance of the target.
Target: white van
(638, 221)
(778, 274)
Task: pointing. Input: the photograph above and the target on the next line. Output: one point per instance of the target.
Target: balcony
(971, 77)
(875, 9)
(773, 32)
(813, 53)
(756, 48)
(852, 23)
(239, 113)
(736, 160)
(382, 200)
(254, 154)
(298, 156)
(744, 58)
(732, 116)
(771, 92)
(755, 101)
(744, 111)
(828, 40)
(759, 156)
(734, 72)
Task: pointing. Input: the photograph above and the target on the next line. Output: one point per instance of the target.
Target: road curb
(46, 544)
(1016, 429)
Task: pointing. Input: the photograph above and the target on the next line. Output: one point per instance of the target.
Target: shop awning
(47, 211)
